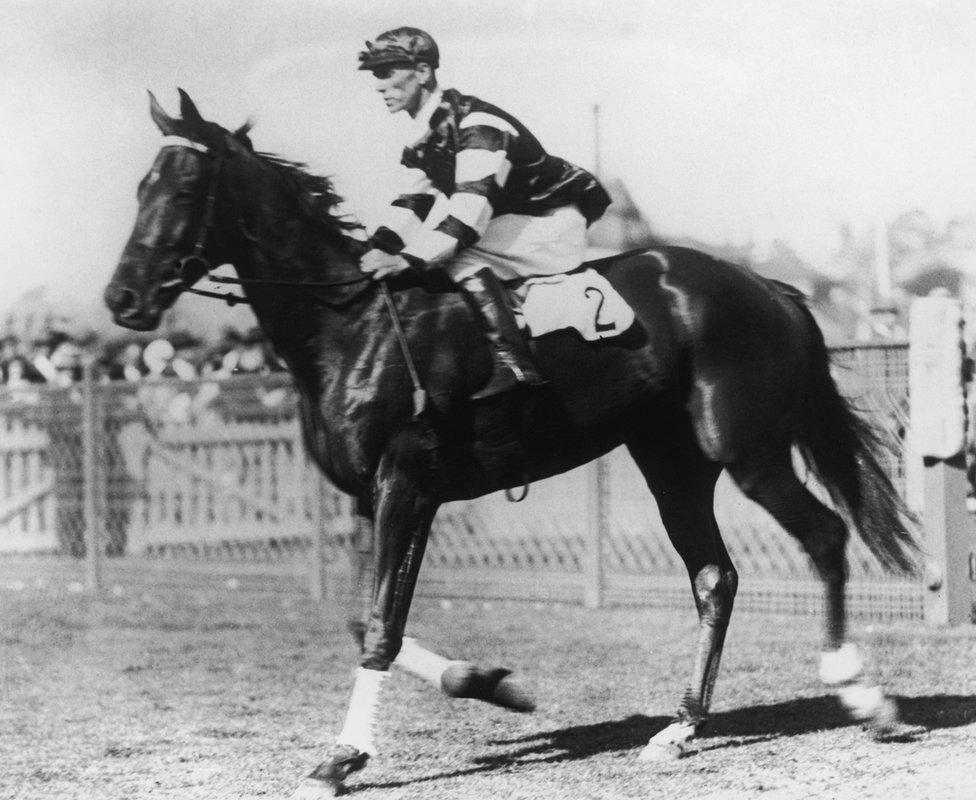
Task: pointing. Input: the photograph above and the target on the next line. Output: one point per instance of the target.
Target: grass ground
(221, 687)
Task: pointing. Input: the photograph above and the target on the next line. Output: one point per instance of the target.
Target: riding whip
(419, 393)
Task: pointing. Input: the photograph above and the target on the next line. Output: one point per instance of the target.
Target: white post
(93, 487)
(882, 263)
(317, 578)
(950, 544)
(597, 144)
(938, 422)
(596, 531)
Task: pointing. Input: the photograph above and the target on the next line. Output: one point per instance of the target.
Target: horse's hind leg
(768, 479)
(684, 489)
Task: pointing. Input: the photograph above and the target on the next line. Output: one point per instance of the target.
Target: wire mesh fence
(42, 481)
(215, 471)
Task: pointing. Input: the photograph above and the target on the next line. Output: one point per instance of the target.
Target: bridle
(193, 267)
(184, 280)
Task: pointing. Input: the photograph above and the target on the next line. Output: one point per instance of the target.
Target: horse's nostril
(123, 301)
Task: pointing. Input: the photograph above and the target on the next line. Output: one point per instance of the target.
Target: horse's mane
(316, 194)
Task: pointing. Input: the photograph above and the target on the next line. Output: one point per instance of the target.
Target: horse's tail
(844, 451)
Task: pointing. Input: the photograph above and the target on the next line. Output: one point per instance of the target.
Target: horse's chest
(349, 454)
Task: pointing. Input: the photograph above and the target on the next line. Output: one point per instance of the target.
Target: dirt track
(215, 687)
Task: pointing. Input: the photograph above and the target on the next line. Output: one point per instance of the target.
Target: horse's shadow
(732, 728)
(736, 728)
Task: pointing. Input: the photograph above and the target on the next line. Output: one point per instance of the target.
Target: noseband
(193, 267)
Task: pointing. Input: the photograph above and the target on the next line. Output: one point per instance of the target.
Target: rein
(233, 299)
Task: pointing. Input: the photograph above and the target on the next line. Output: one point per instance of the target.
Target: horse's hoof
(669, 744)
(655, 752)
(495, 686)
(885, 725)
(328, 778)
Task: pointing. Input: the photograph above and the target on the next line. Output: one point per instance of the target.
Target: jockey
(512, 210)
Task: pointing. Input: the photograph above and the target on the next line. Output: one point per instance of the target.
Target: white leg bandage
(675, 733)
(363, 709)
(843, 670)
(668, 744)
(842, 665)
(861, 701)
(421, 662)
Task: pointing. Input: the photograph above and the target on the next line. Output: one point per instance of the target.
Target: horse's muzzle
(129, 310)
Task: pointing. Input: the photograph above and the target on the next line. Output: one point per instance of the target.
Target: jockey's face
(403, 88)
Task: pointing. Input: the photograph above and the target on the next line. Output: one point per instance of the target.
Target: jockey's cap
(403, 46)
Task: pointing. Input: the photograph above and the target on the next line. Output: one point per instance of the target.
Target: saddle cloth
(585, 301)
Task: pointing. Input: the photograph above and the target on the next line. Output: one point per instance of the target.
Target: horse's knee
(715, 588)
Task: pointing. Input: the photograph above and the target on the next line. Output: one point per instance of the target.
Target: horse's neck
(296, 250)
(267, 246)
(269, 243)
(274, 234)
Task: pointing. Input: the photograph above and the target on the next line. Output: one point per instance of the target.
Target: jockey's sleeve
(406, 214)
(480, 172)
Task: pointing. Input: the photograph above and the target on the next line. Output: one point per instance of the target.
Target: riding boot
(511, 359)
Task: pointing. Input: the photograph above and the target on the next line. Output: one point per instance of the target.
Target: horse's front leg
(403, 515)
(454, 677)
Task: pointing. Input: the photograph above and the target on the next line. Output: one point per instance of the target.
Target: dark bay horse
(722, 370)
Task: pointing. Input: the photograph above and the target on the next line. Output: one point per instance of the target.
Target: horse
(722, 370)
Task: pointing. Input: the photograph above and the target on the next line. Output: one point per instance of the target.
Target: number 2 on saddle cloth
(584, 302)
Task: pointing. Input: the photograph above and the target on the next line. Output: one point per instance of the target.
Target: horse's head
(173, 241)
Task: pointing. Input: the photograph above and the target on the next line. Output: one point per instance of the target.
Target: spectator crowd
(57, 358)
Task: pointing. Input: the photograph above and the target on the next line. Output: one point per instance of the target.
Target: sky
(729, 122)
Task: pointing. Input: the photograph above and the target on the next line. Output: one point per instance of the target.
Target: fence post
(318, 579)
(949, 544)
(321, 587)
(596, 532)
(92, 437)
(938, 426)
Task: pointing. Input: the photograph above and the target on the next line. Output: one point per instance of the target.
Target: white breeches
(520, 246)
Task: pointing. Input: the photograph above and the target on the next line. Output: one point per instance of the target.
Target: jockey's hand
(379, 264)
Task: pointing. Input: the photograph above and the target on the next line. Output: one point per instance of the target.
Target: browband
(182, 141)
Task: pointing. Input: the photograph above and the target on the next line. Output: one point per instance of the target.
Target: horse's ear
(241, 134)
(188, 110)
(163, 121)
